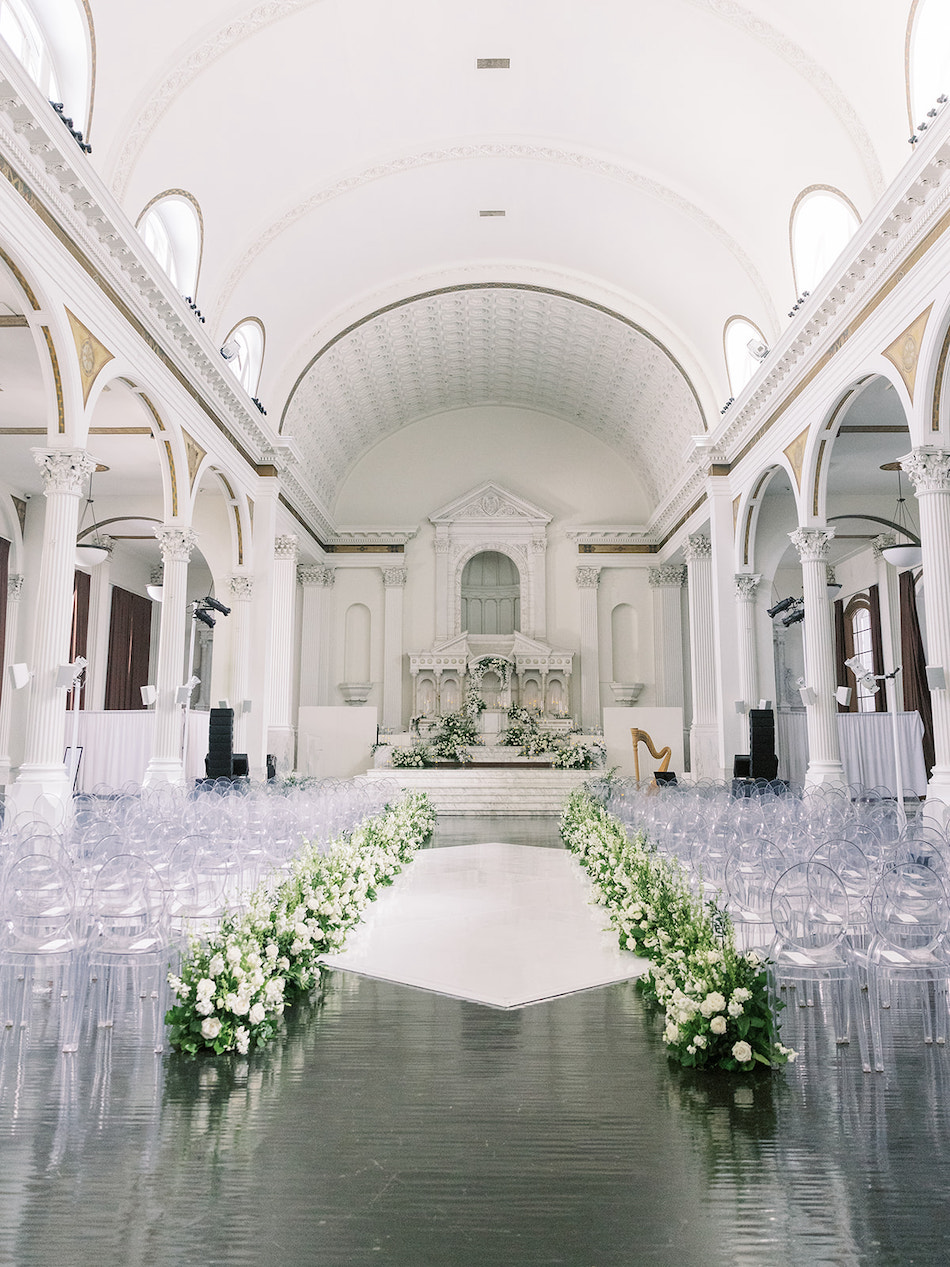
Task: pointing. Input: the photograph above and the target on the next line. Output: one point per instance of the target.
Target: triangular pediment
(491, 503)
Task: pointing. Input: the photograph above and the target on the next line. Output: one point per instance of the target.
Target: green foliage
(457, 733)
(235, 985)
(417, 756)
(719, 1012)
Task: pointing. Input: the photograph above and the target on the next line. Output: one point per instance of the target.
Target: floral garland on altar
(234, 985)
(719, 1011)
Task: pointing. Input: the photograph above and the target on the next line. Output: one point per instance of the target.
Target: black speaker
(741, 766)
(762, 758)
(664, 776)
(239, 766)
(218, 763)
(271, 766)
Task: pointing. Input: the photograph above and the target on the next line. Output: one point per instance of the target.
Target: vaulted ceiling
(646, 157)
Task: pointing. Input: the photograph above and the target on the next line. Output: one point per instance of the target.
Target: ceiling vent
(491, 213)
(493, 63)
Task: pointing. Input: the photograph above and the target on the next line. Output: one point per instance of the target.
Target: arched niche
(490, 594)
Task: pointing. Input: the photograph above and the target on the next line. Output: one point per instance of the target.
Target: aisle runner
(504, 925)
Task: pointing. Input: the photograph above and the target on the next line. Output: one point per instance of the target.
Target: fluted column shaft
(280, 730)
(176, 544)
(588, 581)
(100, 615)
(317, 582)
(929, 469)
(42, 770)
(704, 734)
(667, 584)
(443, 618)
(14, 591)
(394, 587)
(240, 589)
(824, 754)
(746, 588)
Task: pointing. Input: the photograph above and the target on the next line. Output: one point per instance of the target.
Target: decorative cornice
(812, 544)
(929, 470)
(64, 471)
(176, 543)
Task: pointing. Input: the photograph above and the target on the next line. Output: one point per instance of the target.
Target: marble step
(502, 792)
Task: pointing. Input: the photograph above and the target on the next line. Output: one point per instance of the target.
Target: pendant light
(90, 553)
(902, 554)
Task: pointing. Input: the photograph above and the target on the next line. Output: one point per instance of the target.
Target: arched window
(823, 222)
(52, 40)
(739, 337)
(858, 642)
(244, 351)
(928, 57)
(171, 228)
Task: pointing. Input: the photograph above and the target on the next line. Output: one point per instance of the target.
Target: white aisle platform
(498, 924)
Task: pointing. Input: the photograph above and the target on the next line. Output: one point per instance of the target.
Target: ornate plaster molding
(812, 544)
(64, 471)
(667, 575)
(241, 588)
(316, 574)
(698, 548)
(394, 577)
(587, 577)
(286, 546)
(14, 587)
(747, 584)
(176, 542)
(929, 469)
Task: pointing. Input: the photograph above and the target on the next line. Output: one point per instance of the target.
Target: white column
(746, 586)
(177, 543)
(100, 617)
(824, 755)
(588, 581)
(930, 471)
(317, 582)
(14, 592)
(394, 587)
(240, 589)
(280, 729)
(539, 625)
(667, 583)
(703, 733)
(443, 596)
(43, 771)
(202, 669)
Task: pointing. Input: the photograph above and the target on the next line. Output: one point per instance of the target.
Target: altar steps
(492, 792)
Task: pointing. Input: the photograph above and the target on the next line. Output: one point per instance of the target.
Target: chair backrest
(38, 905)
(810, 907)
(850, 864)
(909, 907)
(127, 904)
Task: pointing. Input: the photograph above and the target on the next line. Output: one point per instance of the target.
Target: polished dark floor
(394, 1126)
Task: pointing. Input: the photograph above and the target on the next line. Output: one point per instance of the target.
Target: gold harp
(663, 756)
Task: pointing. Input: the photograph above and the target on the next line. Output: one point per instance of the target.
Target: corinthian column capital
(64, 471)
(176, 543)
(929, 469)
(746, 585)
(812, 544)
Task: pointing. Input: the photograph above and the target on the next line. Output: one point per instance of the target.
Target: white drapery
(116, 746)
(867, 750)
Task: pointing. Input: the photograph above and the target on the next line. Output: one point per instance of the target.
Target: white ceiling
(647, 156)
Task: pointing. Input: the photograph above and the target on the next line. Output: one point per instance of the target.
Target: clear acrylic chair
(910, 917)
(811, 917)
(39, 947)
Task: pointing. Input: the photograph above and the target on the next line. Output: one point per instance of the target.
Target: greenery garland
(235, 984)
(719, 1011)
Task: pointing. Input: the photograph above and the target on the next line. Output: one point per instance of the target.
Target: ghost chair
(751, 870)
(127, 941)
(811, 946)
(39, 946)
(910, 919)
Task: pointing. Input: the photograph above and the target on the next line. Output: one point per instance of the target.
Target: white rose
(742, 1052)
(256, 1014)
(216, 966)
(700, 1040)
(718, 1024)
(735, 1009)
(242, 1039)
(234, 954)
(205, 988)
(210, 1028)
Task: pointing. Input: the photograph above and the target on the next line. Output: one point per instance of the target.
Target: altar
(503, 669)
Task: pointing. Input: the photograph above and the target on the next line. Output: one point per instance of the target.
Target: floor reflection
(399, 1127)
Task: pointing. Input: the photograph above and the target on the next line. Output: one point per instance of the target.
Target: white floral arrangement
(234, 985)
(719, 1010)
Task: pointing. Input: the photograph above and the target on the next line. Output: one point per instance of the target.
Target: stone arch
(518, 556)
